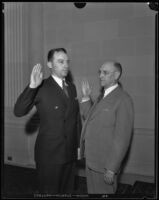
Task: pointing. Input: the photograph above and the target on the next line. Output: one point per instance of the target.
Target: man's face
(108, 75)
(60, 64)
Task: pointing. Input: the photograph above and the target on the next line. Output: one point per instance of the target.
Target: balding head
(110, 73)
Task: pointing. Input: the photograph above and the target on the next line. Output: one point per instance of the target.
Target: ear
(49, 64)
(117, 75)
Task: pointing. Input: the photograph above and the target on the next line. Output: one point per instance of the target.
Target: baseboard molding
(132, 178)
(126, 178)
(29, 166)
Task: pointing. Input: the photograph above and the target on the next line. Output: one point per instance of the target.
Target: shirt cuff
(84, 99)
(31, 87)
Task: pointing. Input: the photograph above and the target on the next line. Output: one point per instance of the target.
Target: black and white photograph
(79, 103)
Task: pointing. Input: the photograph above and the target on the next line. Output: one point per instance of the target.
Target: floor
(18, 182)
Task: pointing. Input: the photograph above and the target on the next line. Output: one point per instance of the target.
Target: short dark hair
(118, 66)
(52, 52)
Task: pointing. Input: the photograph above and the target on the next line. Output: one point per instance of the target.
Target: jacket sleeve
(85, 107)
(122, 134)
(25, 101)
(78, 118)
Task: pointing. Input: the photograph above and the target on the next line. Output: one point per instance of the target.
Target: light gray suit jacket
(107, 130)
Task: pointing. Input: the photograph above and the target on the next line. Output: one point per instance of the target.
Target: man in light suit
(107, 130)
(57, 105)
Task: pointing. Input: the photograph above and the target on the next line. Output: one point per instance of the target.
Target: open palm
(86, 89)
(36, 76)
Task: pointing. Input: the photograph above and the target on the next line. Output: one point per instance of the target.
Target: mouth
(65, 71)
(102, 81)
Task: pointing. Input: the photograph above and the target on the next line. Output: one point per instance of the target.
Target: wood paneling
(16, 56)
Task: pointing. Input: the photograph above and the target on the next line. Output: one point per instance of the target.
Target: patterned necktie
(65, 88)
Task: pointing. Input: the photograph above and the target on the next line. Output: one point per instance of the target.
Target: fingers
(37, 69)
(41, 75)
(85, 85)
(86, 90)
(109, 178)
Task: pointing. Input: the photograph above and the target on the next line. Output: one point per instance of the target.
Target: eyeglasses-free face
(59, 64)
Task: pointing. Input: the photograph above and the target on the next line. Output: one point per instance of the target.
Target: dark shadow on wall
(32, 124)
(69, 77)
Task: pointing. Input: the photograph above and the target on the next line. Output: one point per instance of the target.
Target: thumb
(41, 75)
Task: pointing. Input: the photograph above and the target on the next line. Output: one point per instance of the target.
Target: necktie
(100, 97)
(65, 88)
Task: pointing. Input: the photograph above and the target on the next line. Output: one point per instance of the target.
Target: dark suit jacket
(107, 130)
(59, 120)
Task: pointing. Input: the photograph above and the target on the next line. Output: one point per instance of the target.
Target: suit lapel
(106, 101)
(87, 119)
(69, 100)
(58, 90)
(98, 106)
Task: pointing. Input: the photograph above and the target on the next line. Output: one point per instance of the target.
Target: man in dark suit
(107, 130)
(57, 105)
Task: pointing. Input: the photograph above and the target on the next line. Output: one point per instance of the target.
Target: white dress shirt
(58, 80)
(106, 92)
(110, 89)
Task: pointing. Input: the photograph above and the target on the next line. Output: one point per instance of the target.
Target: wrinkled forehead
(108, 66)
(60, 55)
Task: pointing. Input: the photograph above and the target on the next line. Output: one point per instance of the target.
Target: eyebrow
(104, 71)
(61, 59)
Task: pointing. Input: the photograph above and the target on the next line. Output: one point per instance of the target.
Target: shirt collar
(110, 89)
(58, 80)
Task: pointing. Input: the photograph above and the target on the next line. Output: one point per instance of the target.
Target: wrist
(84, 99)
(110, 171)
(31, 85)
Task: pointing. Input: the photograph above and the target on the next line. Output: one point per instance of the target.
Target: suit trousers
(56, 178)
(96, 183)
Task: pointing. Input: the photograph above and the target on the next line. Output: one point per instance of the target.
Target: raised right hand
(86, 89)
(36, 76)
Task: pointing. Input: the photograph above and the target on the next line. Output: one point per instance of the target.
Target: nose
(65, 65)
(66, 62)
